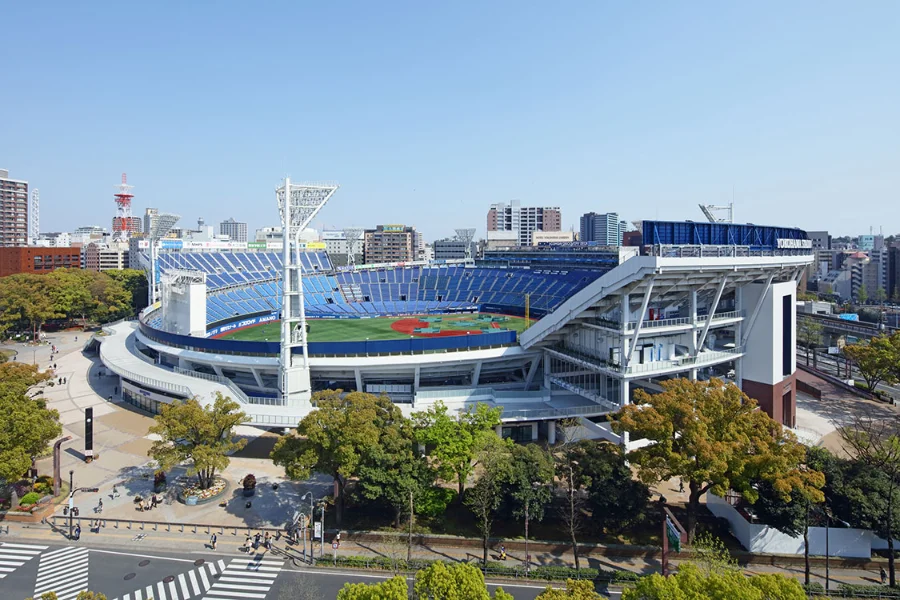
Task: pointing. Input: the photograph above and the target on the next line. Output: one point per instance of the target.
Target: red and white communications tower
(123, 222)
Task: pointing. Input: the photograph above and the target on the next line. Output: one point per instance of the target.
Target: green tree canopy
(617, 501)
(203, 435)
(575, 590)
(486, 495)
(346, 433)
(394, 588)
(456, 581)
(711, 435)
(453, 441)
(27, 426)
(26, 300)
(134, 282)
(876, 359)
(530, 480)
(690, 582)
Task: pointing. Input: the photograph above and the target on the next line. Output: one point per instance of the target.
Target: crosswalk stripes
(13, 556)
(64, 571)
(246, 579)
(184, 587)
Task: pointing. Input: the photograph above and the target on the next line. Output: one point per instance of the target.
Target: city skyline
(599, 108)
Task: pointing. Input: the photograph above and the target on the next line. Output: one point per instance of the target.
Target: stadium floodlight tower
(466, 236)
(352, 237)
(160, 228)
(298, 204)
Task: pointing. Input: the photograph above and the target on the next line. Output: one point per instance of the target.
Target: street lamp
(159, 229)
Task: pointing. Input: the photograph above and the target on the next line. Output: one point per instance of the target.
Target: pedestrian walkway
(246, 578)
(186, 586)
(13, 556)
(63, 571)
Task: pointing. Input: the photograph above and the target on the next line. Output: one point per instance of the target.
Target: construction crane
(709, 209)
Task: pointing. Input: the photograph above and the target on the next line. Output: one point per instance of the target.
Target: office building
(340, 248)
(452, 249)
(55, 239)
(34, 259)
(13, 211)
(515, 223)
(605, 229)
(821, 240)
(150, 217)
(391, 243)
(106, 257)
(893, 278)
(235, 230)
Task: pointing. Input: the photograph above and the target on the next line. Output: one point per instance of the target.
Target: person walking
(213, 540)
(266, 541)
(100, 505)
(115, 492)
(248, 544)
(256, 540)
(78, 534)
(883, 576)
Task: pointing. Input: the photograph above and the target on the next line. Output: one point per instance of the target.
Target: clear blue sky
(427, 112)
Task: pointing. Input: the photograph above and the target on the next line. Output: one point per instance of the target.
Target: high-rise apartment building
(605, 229)
(235, 230)
(13, 211)
(391, 243)
(150, 217)
(514, 223)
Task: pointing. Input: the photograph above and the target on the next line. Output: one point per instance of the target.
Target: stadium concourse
(544, 343)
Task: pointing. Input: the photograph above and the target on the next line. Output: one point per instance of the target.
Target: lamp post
(311, 518)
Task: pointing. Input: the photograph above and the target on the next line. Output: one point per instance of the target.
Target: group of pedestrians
(256, 541)
(148, 505)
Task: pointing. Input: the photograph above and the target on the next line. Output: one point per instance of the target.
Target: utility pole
(322, 539)
(409, 537)
(71, 501)
(527, 558)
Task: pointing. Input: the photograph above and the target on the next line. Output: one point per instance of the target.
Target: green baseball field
(386, 328)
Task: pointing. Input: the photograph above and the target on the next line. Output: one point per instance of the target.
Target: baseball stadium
(536, 336)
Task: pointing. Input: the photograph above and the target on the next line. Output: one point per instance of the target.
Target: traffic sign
(317, 532)
(674, 535)
(334, 545)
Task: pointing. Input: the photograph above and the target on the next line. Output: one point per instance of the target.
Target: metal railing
(264, 401)
(239, 394)
(701, 319)
(704, 358)
(167, 386)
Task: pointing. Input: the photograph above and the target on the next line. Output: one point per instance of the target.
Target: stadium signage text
(240, 324)
(789, 243)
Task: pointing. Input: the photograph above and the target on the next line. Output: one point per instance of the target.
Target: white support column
(359, 380)
(625, 309)
(534, 431)
(712, 311)
(499, 431)
(551, 432)
(546, 370)
(640, 323)
(257, 377)
(416, 380)
(738, 334)
(625, 400)
(532, 370)
(218, 370)
(759, 303)
(476, 374)
(693, 317)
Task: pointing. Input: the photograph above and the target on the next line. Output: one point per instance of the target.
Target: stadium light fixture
(160, 228)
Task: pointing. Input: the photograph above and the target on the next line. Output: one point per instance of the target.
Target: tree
(456, 581)
(203, 435)
(691, 582)
(575, 590)
(485, 496)
(711, 435)
(876, 360)
(134, 282)
(26, 299)
(616, 500)
(394, 588)
(809, 333)
(791, 515)
(571, 475)
(876, 443)
(27, 426)
(46, 596)
(345, 433)
(862, 295)
(529, 485)
(453, 442)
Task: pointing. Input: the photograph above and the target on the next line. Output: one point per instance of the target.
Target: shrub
(852, 590)
(29, 499)
(43, 488)
(434, 501)
(563, 573)
(621, 575)
(159, 478)
(249, 481)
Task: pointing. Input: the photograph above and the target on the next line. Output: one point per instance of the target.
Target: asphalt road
(134, 573)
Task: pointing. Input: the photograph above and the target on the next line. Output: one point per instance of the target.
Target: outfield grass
(344, 330)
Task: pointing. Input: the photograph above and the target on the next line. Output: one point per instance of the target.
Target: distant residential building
(391, 243)
(34, 259)
(235, 230)
(552, 237)
(13, 210)
(633, 238)
(151, 215)
(56, 239)
(132, 224)
(338, 247)
(605, 228)
(503, 218)
(106, 257)
(893, 278)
